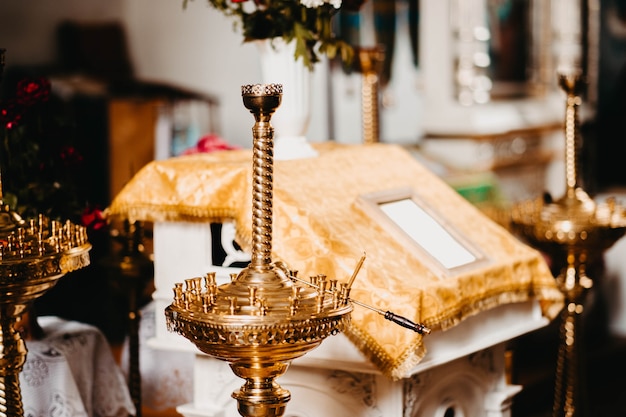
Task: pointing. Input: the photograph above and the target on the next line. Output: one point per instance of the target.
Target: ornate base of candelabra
(258, 335)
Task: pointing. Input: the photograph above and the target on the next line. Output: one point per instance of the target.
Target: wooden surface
(132, 124)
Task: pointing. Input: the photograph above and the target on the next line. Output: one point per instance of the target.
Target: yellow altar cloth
(319, 228)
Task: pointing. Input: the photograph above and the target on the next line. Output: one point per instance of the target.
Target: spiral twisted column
(262, 181)
(10, 389)
(370, 65)
(572, 86)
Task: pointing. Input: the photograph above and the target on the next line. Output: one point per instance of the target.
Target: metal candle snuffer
(266, 316)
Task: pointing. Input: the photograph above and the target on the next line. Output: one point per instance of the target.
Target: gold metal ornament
(575, 231)
(262, 319)
(34, 254)
(370, 64)
(266, 316)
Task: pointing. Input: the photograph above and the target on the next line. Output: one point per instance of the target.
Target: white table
(71, 372)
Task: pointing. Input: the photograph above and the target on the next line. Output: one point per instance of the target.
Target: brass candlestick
(370, 64)
(574, 230)
(262, 319)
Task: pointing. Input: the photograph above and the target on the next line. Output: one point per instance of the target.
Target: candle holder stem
(12, 358)
(569, 392)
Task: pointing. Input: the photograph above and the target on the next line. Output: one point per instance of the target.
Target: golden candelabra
(266, 316)
(34, 254)
(575, 231)
(262, 319)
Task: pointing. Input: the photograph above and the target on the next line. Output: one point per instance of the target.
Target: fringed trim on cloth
(379, 358)
(550, 301)
(174, 213)
(401, 367)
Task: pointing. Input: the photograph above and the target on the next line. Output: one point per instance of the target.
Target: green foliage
(309, 27)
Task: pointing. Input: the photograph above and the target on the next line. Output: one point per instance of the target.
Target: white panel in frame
(409, 219)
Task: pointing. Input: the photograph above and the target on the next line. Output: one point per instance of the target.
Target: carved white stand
(462, 375)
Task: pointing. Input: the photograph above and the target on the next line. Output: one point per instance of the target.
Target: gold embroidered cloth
(318, 228)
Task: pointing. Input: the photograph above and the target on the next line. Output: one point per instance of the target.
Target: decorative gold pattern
(262, 89)
(252, 335)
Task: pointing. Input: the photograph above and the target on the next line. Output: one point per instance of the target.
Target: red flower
(210, 143)
(10, 114)
(33, 90)
(71, 156)
(93, 219)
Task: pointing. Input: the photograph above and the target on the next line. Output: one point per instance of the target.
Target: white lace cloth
(71, 372)
(166, 375)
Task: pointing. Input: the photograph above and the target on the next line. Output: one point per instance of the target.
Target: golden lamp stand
(574, 230)
(262, 319)
(33, 256)
(266, 316)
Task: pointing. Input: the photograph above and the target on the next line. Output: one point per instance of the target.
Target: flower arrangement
(39, 162)
(308, 23)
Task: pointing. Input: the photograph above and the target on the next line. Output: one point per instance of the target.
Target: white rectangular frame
(469, 255)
